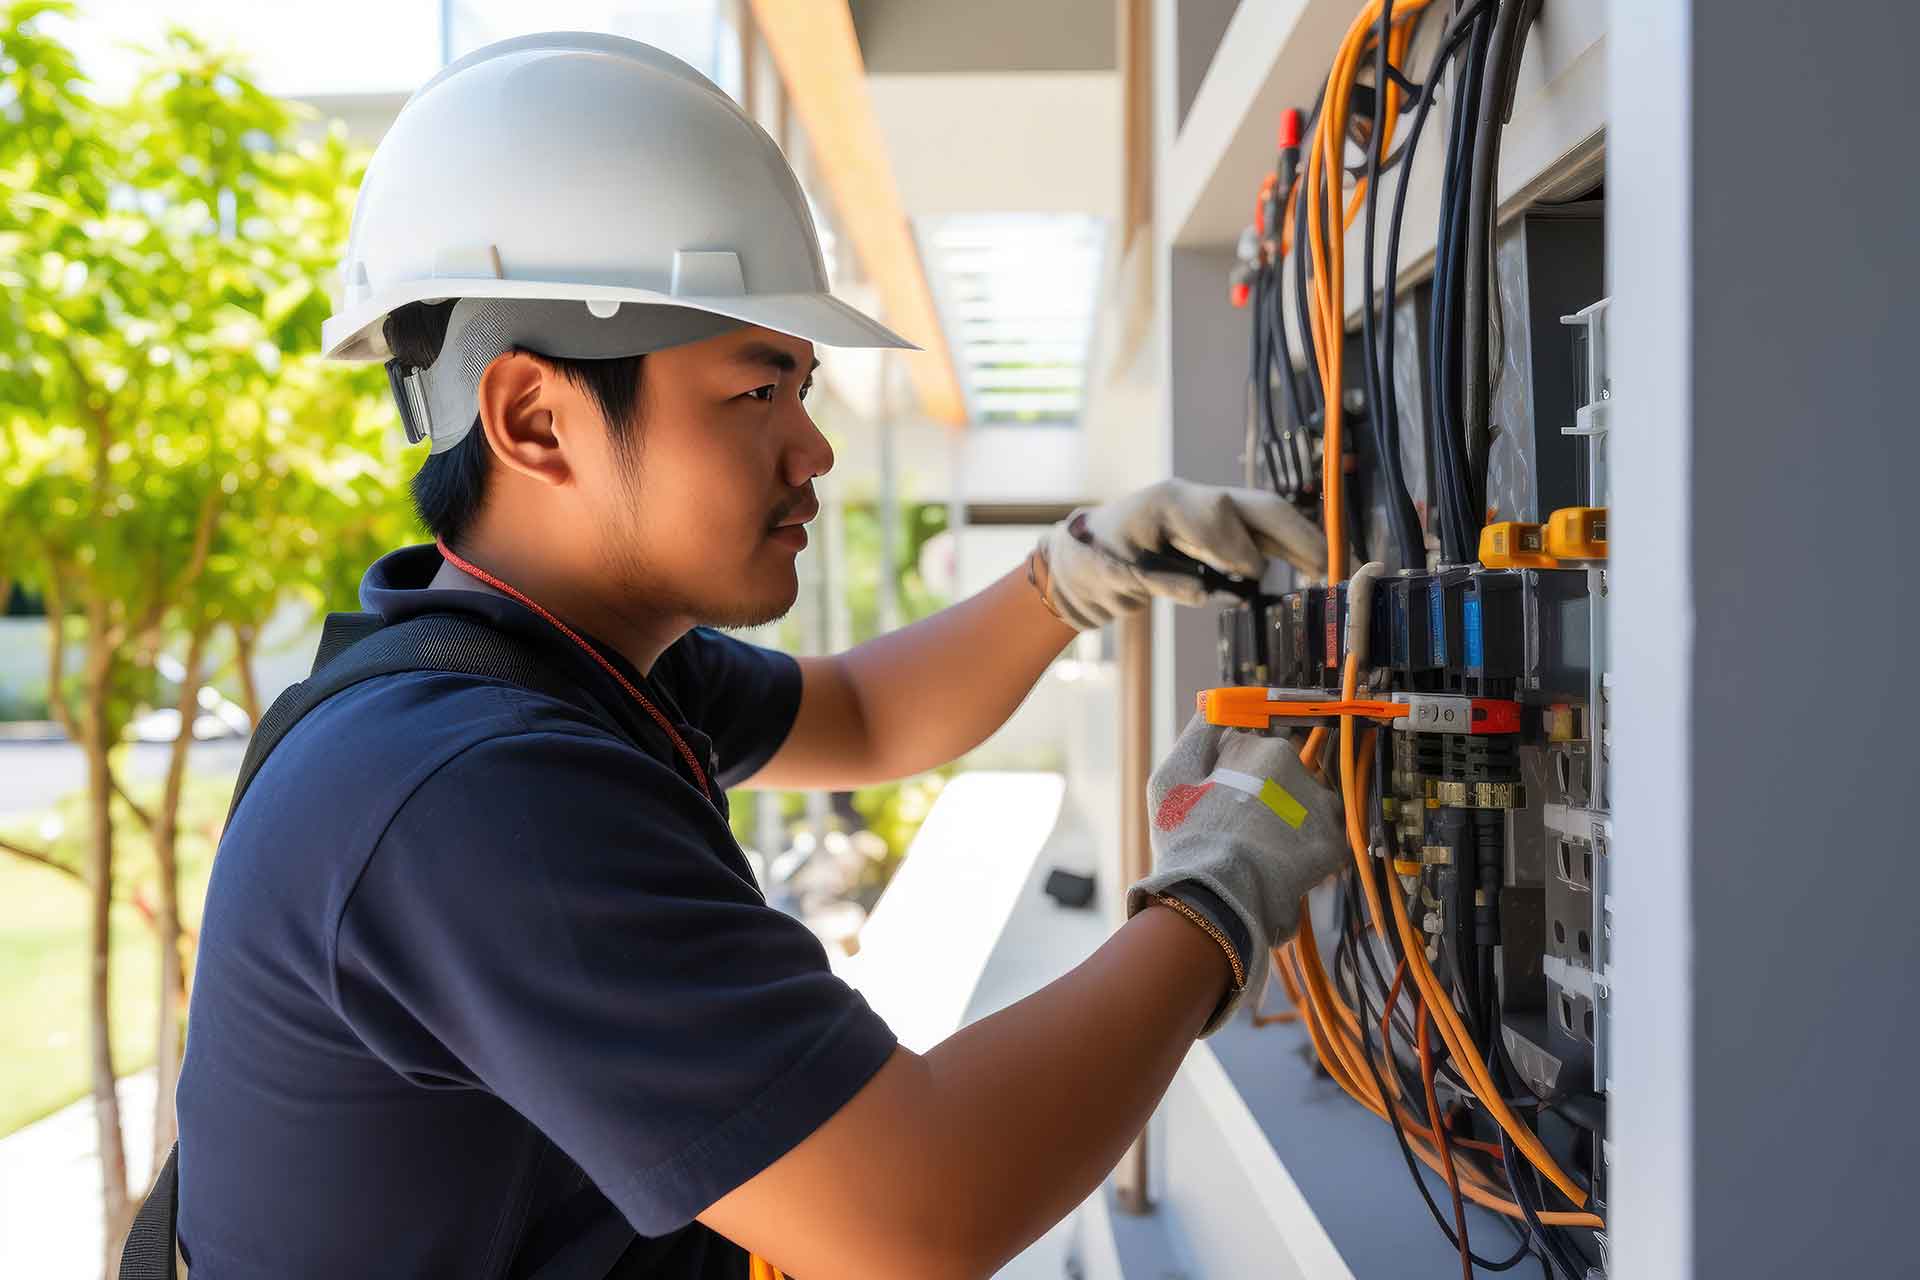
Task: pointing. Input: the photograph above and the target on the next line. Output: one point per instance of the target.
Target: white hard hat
(571, 167)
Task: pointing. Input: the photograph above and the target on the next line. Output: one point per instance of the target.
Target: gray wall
(1765, 277)
(986, 35)
(1207, 354)
(1202, 23)
(1804, 447)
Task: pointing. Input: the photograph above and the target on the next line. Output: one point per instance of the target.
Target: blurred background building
(966, 170)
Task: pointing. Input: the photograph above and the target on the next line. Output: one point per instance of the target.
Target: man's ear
(523, 400)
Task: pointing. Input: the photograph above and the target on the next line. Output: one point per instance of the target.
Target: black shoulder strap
(148, 1253)
(355, 647)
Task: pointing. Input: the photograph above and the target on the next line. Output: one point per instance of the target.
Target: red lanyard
(686, 752)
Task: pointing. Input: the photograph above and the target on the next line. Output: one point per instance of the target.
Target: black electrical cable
(1476, 385)
(1350, 506)
(1452, 39)
(1527, 1197)
(1449, 302)
(1414, 1170)
(1308, 349)
(1401, 517)
(1301, 257)
(1555, 1242)
(1381, 987)
(1459, 466)
(1258, 385)
(1278, 364)
(1295, 442)
(1458, 525)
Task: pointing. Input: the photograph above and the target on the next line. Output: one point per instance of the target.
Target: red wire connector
(1288, 167)
(1290, 129)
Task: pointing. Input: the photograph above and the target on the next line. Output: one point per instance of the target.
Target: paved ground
(35, 774)
(50, 1186)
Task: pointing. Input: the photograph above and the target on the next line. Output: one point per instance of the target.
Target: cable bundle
(1391, 1043)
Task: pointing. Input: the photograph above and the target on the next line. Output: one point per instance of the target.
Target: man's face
(704, 512)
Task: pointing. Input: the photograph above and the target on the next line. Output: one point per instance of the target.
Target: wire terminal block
(1451, 713)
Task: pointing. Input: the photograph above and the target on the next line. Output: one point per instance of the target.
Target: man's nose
(809, 455)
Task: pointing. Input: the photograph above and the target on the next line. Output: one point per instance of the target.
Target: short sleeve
(740, 695)
(552, 918)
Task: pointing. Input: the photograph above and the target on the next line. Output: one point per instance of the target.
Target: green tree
(917, 523)
(169, 454)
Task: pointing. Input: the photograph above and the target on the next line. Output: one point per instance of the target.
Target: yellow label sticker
(1281, 801)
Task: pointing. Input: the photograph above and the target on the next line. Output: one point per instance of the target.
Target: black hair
(450, 488)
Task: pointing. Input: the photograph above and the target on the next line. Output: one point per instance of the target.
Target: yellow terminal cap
(1578, 533)
(1514, 545)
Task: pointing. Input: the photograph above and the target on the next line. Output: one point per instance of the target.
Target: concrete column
(1763, 271)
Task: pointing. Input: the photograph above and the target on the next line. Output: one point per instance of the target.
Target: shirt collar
(396, 588)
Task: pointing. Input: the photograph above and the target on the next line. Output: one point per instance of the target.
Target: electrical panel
(1502, 839)
(1459, 684)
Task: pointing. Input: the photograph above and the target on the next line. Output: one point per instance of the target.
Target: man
(486, 987)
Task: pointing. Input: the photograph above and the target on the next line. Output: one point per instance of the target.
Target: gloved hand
(1237, 815)
(1089, 572)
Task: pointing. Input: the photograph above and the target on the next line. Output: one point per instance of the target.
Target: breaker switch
(1513, 544)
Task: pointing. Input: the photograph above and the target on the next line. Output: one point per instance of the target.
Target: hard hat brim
(356, 334)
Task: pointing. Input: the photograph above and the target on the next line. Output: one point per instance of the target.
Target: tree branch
(119, 789)
(196, 561)
(45, 860)
(57, 660)
(102, 421)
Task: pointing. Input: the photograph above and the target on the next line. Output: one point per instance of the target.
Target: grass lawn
(44, 1042)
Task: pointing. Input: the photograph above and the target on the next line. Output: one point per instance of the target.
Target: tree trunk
(173, 973)
(115, 1206)
(244, 638)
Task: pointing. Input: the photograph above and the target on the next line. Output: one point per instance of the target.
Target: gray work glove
(1089, 556)
(1238, 816)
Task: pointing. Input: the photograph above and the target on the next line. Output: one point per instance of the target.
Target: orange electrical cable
(1310, 754)
(1328, 249)
(1357, 1080)
(1459, 1041)
(1460, 1044)
(1285, 957)
(1353, 788)
(1326, 1016)
(1330, 1058)
(1474, 1188)
(1274, 966)
(1422, 1140)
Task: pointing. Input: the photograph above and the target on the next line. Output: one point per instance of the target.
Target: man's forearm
(949, 1163)
(920, 696)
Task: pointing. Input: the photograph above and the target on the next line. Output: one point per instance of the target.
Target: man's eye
(765, 394)
(806, 387)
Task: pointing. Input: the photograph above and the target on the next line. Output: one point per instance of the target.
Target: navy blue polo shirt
(478, 973)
